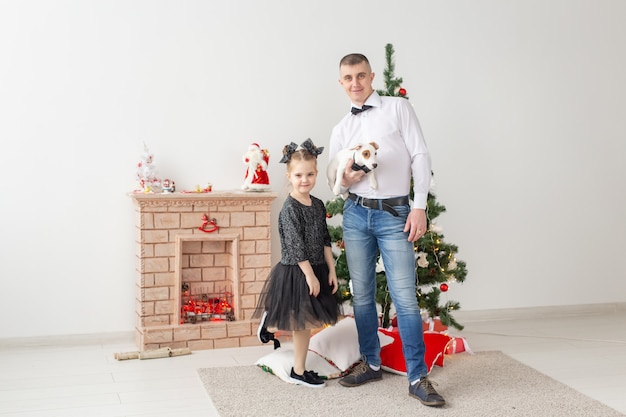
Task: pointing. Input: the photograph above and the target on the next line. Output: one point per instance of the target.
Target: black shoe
(264, 335)
(361, 374)
(424, 391)
(308, 378)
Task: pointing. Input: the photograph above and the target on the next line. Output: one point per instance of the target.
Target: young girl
(300, 292)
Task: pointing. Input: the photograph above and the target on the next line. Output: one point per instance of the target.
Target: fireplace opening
(207, 273)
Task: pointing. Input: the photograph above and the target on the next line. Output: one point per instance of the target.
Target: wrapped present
(429, 324)
(434, 325)
(457, 345)
(393, 359)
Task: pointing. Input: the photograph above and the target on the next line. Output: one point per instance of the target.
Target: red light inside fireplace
(205, 307)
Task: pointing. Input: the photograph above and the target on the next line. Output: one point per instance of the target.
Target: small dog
(364, 156)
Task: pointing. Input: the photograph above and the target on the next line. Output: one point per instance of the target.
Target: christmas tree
(436, 264)
(393, 85)
(146, 172)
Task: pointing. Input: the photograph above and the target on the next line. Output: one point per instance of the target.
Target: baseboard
(70, 340)
(530, 313)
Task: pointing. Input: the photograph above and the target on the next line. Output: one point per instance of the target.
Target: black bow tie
(356, 110)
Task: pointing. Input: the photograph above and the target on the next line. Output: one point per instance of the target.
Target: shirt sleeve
(420, 156)
(338, 141)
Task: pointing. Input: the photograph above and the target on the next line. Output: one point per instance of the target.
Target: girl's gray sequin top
(303, 232)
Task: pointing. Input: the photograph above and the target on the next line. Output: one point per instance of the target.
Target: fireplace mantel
(173, 247)
(229, 198)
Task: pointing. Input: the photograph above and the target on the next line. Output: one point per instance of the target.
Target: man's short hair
(354, 59)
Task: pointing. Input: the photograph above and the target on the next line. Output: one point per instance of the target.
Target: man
(384, 220)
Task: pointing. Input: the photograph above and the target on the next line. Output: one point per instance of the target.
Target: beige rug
(487, 384)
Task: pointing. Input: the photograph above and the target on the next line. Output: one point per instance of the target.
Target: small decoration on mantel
(256, 178)
(208, 225)
(146, 173)
(207, 189)
(168, 186)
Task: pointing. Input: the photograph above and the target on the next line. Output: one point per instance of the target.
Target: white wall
(521, 103)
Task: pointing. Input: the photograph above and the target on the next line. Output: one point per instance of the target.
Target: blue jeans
(366, 232)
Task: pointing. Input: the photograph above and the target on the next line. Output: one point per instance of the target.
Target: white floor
(80, 377)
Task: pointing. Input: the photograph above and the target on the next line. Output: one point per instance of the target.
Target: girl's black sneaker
(308, 378)
(264, 335)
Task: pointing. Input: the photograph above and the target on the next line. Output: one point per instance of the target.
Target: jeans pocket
(348, 205)
(403, 211)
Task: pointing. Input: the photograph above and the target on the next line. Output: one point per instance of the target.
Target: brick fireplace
(172, 250)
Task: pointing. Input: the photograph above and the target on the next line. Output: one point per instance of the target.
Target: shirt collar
(373, 100)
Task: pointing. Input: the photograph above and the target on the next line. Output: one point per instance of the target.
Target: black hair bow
(288, 150)
(312, 149)
(307, 145)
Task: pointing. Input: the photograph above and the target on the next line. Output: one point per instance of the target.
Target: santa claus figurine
(256, 174)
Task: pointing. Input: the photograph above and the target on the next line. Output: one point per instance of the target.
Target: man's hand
(349, 176)
(415, 224)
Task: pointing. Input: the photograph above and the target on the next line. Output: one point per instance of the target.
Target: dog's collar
(357, 167)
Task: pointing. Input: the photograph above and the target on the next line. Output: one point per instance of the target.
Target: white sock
(376, 368)
(415, 382)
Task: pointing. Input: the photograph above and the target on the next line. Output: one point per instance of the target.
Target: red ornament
(328, 215)
(402, 92)
(208, 226)
(443, 287)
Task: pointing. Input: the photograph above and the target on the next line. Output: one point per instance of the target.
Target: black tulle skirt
(285, 297)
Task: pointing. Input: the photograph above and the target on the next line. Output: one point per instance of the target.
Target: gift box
(434, 325)
(393, 359)
(457, 345)
(428, 325)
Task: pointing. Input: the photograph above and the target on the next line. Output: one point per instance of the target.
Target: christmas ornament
(422, 262)
(256, 178)
(443, 287)
(203, 307)
(402, 92)
(208, 226)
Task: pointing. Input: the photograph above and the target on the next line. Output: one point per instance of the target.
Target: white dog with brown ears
(365, 159)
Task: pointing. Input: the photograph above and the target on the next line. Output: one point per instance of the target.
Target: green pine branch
(393, 84)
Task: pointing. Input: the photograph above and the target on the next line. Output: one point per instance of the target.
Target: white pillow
(339, 344)
(280, 361)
